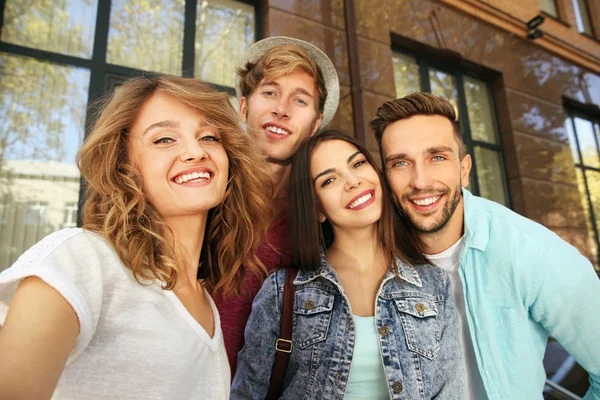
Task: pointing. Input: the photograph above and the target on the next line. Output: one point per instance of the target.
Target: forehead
(417, 133)
(293, 80)
(160, 107)
(330, 154)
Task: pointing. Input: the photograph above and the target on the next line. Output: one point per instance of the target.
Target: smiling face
(425, 171)
(181, 159)
(281, 113)
(348, 188)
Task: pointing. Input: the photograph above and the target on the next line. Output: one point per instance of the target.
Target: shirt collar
(405, 272)
(477, 224)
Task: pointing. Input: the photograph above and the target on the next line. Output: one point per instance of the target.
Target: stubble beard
(441, 222)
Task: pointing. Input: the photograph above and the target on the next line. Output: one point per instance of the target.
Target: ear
(317, 124)
(243, 109)
(465, 170)
(322, 218)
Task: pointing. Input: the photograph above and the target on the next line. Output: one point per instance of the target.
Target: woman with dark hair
(370, 319)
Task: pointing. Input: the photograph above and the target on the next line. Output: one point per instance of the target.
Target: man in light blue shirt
(514, 281)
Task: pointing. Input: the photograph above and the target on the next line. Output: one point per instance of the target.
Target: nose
(193, 151)
(280, 109)
(421, 178)
(352, 181)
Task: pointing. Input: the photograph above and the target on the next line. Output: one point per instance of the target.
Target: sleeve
(450, 364)
(62, 260)
(567, 304)
(255, 361)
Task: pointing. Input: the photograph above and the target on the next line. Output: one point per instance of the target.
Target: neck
(436, 242)
(187, 236)
(358, 249)
(281, 180)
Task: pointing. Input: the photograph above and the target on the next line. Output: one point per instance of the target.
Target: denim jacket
(417, 329)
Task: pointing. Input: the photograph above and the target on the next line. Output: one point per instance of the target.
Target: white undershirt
(448, 260)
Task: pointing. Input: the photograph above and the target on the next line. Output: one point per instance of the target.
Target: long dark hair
(308, 236)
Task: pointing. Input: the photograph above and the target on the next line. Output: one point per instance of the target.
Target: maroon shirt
(234, 311)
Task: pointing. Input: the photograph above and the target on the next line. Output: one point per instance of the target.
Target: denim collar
(326, 271)
(476, 220)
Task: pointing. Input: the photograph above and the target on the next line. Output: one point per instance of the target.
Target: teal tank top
(367, 377)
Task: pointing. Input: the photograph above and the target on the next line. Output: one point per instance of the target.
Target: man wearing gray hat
(288, 90)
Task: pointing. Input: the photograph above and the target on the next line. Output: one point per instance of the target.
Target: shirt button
(420, 307)
(397, 387)
(384, 331)
(309, 305)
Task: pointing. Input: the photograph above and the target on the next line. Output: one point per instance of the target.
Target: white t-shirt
(135, 341)
(449, 260)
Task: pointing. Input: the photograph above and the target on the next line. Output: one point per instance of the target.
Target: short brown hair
(419, 103)
(308, 237)
(117, 207)
(281, 61)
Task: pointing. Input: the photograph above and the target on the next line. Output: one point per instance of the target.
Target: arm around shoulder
(255, 360)
(567, 304)
(36, 339)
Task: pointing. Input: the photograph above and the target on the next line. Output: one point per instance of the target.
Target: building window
(471, 97)
(549, 7)
(58, 56)
(582, 16)
(584, 136)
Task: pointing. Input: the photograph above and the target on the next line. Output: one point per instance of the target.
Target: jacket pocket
(421, 325)
(312, 311)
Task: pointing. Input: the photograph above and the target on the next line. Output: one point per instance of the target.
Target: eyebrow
(430, 150)
(169, 123)
(329, 170)
(297, 89)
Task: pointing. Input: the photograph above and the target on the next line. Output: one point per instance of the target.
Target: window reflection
(587, 142)
(43, 105)
(224, 30)
(147, 35)
(65, 27)
(443, 84)
(479, 110)
(489, 175)
(572, 140)
(406, 75)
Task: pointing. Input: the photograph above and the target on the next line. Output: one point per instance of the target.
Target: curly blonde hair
(116, 206)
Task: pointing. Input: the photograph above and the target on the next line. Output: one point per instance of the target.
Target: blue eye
(438, 158)
(210, 138)
(399, 164)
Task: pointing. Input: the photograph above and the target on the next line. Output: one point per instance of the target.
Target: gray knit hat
(332, 83)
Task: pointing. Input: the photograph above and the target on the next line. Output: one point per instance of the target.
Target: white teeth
(426, 202)
(193, 176)
(276, 130)
(360, 200)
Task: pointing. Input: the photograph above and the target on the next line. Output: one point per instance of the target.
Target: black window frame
(103, 75)
(454, 64)
(591, 113)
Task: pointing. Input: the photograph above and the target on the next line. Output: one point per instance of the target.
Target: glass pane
(587, 142)
(572, 141)
(592, 245)
(582, 16)
(43, 108)
(406, 75)
(224, 30)
(480, 111)
(65, 26)
(489, 175)
(549, 7)
(443, 84)
(147, 35)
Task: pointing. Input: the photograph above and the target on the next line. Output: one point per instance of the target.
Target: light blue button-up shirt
(522, 283)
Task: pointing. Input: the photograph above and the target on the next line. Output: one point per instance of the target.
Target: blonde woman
(116, 309)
